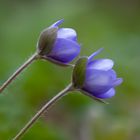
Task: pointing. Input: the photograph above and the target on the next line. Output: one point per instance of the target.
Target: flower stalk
(18, 71)
(42, 110)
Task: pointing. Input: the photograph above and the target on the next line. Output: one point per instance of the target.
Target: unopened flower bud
(59, 45)
(95, 77)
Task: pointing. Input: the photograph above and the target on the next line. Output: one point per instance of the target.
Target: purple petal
(117, 82)
(107, 94)
(98, 81)
(99, 77)
(97, 90)
(101, 64)
(113, 74)
(67, 33)
(64, 50)
(56, 24)
(94, 54)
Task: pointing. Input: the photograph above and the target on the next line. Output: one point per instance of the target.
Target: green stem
(42, 110)
(18, 71)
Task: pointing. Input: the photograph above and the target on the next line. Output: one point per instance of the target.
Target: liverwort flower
(58, 45)
(95, 77)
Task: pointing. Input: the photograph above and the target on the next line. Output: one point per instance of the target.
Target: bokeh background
(112, 24)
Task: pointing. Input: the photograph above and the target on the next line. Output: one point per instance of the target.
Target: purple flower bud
(61, 47)
(99, 77)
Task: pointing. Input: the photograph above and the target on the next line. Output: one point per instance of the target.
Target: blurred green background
(114, 25)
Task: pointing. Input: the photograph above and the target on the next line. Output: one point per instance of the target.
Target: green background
(114, 25)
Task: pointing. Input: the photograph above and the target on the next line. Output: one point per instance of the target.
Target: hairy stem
(18, 71)
(42, 110)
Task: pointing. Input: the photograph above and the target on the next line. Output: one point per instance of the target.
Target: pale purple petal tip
(101, 64)
(94, 54)
(67, 33)
(110, 93)
(117, 82)
(56, 24)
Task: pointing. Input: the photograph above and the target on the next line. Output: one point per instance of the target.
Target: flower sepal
(46, 40)
(79, 71)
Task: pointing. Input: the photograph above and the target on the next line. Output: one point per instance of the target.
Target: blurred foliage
(114, 25)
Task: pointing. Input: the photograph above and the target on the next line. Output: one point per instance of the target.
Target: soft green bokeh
(114, 25)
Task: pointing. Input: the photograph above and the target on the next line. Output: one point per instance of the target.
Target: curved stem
(42, 110)
(18, 71)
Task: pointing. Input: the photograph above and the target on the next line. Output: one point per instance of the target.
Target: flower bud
(95, 77)
(58, 45)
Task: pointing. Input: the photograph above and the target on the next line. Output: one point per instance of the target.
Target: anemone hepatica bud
(59, 45)
(99, 78)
